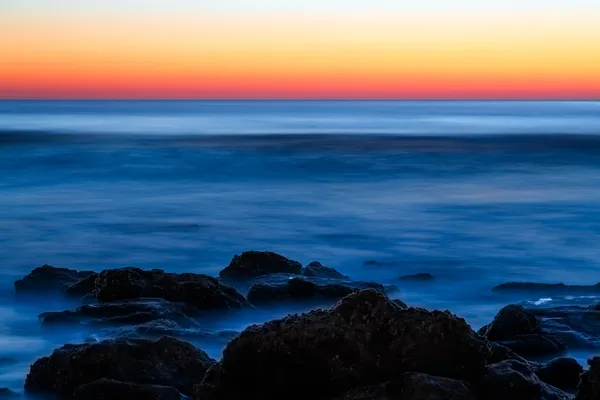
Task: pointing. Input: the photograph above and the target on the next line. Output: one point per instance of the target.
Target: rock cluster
(365, 347)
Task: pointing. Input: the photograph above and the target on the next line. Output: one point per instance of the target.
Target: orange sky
(216, 54)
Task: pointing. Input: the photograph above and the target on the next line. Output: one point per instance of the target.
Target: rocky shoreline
(357, 342)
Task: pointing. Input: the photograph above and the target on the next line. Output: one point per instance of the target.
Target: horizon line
(286, 99)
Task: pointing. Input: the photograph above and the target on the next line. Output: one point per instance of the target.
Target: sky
(309, 49)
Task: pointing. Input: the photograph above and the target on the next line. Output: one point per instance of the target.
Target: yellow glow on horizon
(283, 55)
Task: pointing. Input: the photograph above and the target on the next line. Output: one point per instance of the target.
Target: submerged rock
(202, 291)
(5, 361)
(515, 380)
(6, 393)
(365, 338)
(296, 289)
(125, 312)
(518, 329)
(103, 389)
(550, 288)
(316, 269)
(589, 383)
(251, 264)
(562, 373)
(420, 277)
(47, 278)
(167, 361)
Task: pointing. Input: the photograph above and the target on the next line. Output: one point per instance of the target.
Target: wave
(359, 142)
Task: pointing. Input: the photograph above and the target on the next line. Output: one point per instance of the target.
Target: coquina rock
(201, 291)
(166, 362)
(252, 264)
(47, 278)
(365, 338)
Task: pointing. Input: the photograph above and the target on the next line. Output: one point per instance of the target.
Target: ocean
(475, 193)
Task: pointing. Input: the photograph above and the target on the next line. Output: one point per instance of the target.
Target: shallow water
(476, 193)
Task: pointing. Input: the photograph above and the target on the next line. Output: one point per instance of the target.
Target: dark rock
(400, 303)
(47, 278)
(412, 386)
(589, 383)
(502, 353)
(515, 380)
(365, 338)
(549, 288)
(562, 373)
(110, 389)
(421, 277)
(316, 269)
(518, 329)
(510, 321)
(296, 289)
(83, 287)
(6, 393)
(202, 291)
(124, 312)
(167, 361)
(426, 387)
(535, 344)
(251, 264)
(282, 279)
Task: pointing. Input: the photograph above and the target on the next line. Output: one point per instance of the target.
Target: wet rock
(515, 380)
(83, 287)
(316, 269)
(501, 353)
(202, 291)
(510, 321)
(111, 389)
(125, 312)
(518, 329)
(578, 327)
(167, 361)
(48, 279)
(420, 277)
(562, 373)
(283, 279)
(166, 327)
(296, 290)
(251, 264)
(6, 393)
(365, 338)
(412, 386)
(399, 303)
(549, 288)
(589, 383)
